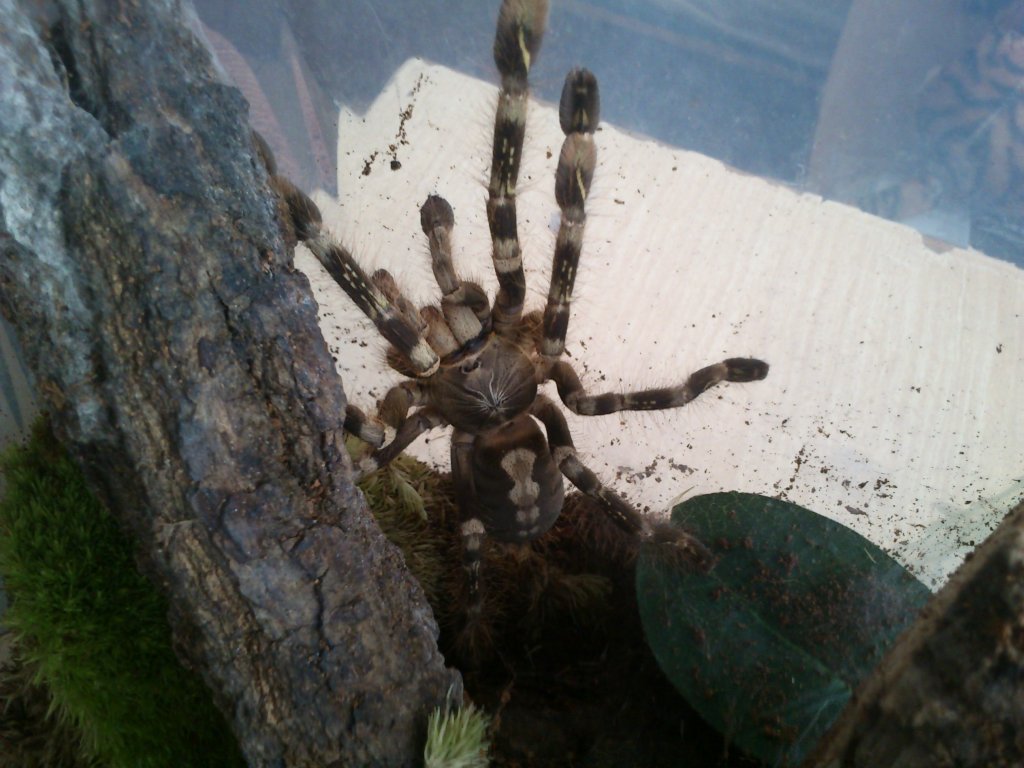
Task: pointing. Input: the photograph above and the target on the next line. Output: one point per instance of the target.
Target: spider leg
(391, 323)
(519, 31)
(563, 451)
(571, 391)
(421, 421)
(439, 333)
(362, 426)
(472, 528)
(395, 406)
(385, 283)
(578, 113)
(464, 304)
(618, 509)
(436, 331)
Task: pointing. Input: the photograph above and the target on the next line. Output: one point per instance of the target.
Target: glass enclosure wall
(912, 110)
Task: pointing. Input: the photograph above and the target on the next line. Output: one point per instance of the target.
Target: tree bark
(951, 690)
(178, 351)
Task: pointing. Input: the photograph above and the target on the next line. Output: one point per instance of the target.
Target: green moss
(415, 509)
(92, 629)
(456, 739)
(31, 733)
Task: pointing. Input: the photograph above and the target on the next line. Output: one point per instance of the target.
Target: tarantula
(477, 367)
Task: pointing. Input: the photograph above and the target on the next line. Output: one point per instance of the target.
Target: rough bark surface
(951, 691)
(143, 265)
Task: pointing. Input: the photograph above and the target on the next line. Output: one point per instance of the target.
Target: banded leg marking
(618, 509)
(403, 335)
(389, 320)
(564, 454)
(459, 302)
(519, 31)
(472, 529)
(362, 426)
(385, 283)
(570, 390)
(421, 421)
(439, 335)
(578, 112)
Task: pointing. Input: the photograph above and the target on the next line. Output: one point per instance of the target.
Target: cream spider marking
(477, 366)
(518, 465)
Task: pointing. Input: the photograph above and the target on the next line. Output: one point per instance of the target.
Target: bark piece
(179, 349)
(951, 691)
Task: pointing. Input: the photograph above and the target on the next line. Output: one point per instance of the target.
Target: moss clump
(415, 509)
(31, 733)
(91, 629)
(456, 739)
(527, 587)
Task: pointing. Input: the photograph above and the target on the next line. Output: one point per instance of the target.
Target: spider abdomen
(518, 485)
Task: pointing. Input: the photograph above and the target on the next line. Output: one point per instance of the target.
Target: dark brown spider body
(477, 367)
(519, 488)
(484, 389)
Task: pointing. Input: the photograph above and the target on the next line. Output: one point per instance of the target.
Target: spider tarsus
(306, 217)
(436, 212)
(517, 39)
(745, 369)
(362, 426)
(579, 108)
(685, 550)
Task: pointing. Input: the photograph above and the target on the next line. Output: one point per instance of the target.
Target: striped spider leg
(579, 110)
(477, 367)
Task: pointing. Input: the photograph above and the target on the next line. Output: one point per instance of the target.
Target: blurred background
(909, 109)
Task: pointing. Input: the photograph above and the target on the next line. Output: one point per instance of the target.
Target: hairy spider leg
(517, 39)
(439, 333)
(464, 305)
(472, 528)
(389, 319)
(399, 400)
(578, 114)
(576, 399)
(621, 512)
(385, 283)
(563, 451)
(423, 420)
(362, 426)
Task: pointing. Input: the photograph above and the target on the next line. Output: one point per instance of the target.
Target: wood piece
(949, 692)
(178, 350)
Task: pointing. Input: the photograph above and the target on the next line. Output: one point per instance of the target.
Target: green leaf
(769, 644)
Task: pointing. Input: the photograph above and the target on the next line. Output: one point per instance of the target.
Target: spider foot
(665, 540)
(745, 369)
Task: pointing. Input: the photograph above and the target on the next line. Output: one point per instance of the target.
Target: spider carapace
(477, 367)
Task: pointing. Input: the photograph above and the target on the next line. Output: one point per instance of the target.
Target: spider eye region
(481, 393)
